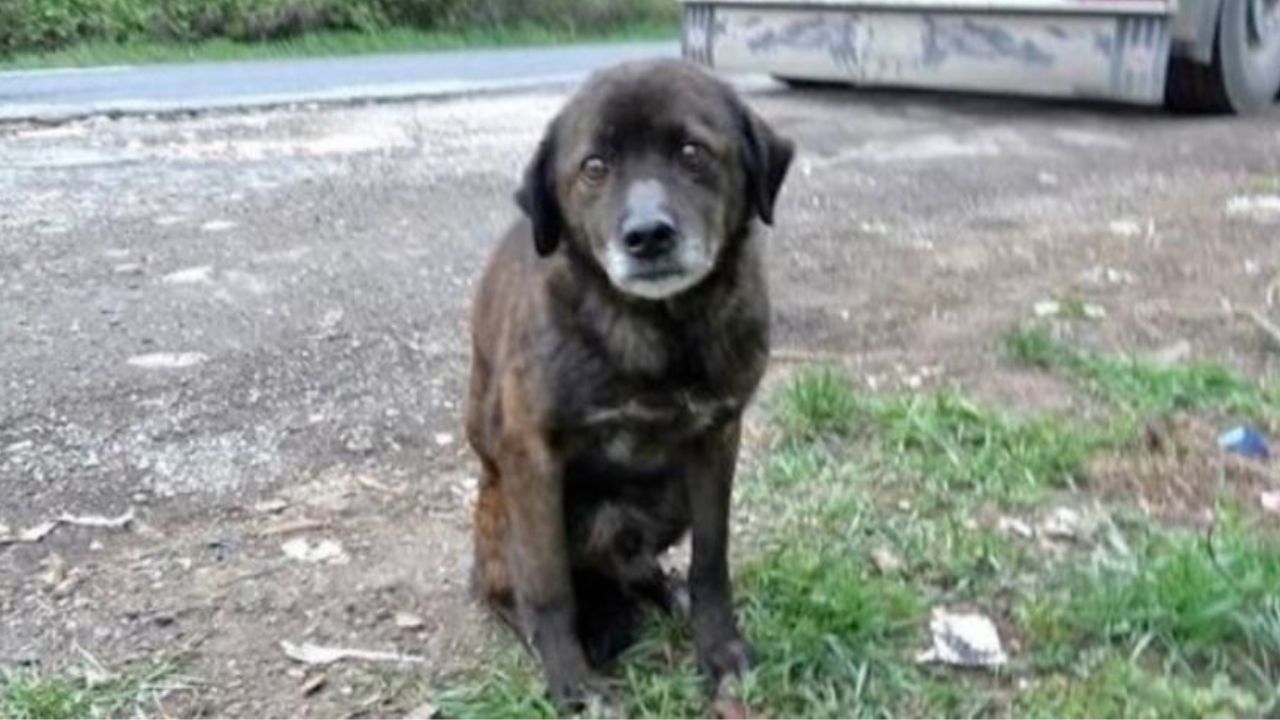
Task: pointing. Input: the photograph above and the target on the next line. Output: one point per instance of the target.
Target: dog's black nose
(649, 238)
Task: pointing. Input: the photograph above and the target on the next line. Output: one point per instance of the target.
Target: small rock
(272, 506)
(886, 560)
(1124, 228)
(1093, 311)
(312, 684)
(1101, 276)
(1047, 308)
(214, 226)
(1015, 526)
(189, 276)
(409, 621)
(1172, 354)
(1270, 501)
(323, 551)
(65, 587)
(167, 360)
(55, 571)
(444, 439)
(1255, 206)
(127, 269)
(1062, 524)
(963, 639)
(359, 440)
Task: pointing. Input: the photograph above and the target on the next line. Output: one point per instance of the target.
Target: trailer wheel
(1245, 75)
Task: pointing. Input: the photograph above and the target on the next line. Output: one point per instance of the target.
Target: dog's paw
(726, 660)
(588, 695)
(727, 699)
(590, 698)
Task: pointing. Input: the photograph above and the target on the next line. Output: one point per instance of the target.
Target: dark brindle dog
(618, 335)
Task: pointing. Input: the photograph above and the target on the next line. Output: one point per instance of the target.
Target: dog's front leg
(722, 653)
(540, 565)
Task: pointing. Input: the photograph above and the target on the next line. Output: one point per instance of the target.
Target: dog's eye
(595, 168)
(693, 155)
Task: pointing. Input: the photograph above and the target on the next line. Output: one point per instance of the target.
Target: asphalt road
(78, 92)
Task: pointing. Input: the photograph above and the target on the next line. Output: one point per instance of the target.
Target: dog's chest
(652, 432)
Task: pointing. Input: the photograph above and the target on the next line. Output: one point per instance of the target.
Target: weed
(25, 694)
(816, 403)
(1141, 387)
(1205, 604)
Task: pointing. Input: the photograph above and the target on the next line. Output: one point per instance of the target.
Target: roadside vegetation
(51, 33)
(868, 511)
(30, 694)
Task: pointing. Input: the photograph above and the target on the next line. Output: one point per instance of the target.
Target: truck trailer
(1211, 55)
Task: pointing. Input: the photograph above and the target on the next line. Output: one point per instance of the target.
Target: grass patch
(870, 510)
(327, 44)
(25, 694)
(955, 446)
(1142, 387)
(1117, 688)
(1203, 609)
(1267, 183)
(816, 403)
(944, 440)
(831, 640)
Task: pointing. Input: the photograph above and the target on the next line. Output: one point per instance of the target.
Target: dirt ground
(250, 330)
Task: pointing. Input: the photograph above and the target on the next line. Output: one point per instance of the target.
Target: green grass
(1134, 621)
(1204, 610)
(325, 44)
(1267, 183)
(1143, 387)
(26, 694)
(816, 403)
(959, 449)
(943, 440)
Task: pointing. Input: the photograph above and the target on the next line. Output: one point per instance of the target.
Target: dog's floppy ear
(537, 196)
(766, 157)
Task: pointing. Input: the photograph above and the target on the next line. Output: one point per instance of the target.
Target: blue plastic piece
(1245, 441)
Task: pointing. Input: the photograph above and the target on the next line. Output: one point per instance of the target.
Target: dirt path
(249, 329)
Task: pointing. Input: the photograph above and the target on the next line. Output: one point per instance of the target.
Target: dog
(618, 332)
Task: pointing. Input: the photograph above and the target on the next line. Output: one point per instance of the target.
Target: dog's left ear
(767, 156)
(537, 196)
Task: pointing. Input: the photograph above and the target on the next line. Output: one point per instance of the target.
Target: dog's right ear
(537, 196)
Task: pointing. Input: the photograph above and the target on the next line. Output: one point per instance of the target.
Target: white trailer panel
(961, 46)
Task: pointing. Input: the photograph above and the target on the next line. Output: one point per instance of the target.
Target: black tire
(1245, 75)
(1249, 58)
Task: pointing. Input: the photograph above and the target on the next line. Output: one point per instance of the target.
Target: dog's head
(649, 171)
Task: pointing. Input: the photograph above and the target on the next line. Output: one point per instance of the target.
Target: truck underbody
(1192, 54)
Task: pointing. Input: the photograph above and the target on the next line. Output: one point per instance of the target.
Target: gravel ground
(249, 328)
